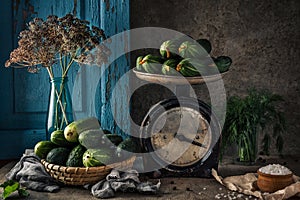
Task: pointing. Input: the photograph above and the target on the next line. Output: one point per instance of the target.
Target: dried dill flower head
(59, 40)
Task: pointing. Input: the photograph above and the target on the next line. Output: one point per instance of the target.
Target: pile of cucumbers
(83, 144)
(181, 57)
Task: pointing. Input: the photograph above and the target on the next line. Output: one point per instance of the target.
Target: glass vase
(247, 148)
(60, 112)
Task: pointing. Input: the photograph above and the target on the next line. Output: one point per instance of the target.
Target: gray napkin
(30, 173)
(125, 182)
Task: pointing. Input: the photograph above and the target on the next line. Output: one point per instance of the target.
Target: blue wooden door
(24, 96)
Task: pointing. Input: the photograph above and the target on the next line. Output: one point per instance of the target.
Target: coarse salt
(275, 169)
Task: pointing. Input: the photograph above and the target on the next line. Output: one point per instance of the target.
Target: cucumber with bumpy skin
(58, 156)
(114, 139)
(42, 148)
(205, 44)
(152, 64)
(168, 49)
(169, 67)
(196, 67)
(57, 137)
(186, 68)
(138, 65)
(92, 139)
(96, 157)
(126, 148)
(75, 156)
(223, 63)
(73, 130)
(191, 49)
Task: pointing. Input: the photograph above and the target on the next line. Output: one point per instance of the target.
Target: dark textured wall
(262, 38)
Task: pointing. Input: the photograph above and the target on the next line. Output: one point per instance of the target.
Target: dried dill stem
(59, 42)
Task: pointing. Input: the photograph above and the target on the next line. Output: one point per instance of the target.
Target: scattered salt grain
(265, 193)
(204, 188)
(275, 169)
(220, 188)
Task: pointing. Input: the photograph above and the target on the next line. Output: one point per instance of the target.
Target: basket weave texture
(84, 175)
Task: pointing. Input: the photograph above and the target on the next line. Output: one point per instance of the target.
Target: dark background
(261, 37)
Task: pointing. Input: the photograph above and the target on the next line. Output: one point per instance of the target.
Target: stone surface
(262, 38)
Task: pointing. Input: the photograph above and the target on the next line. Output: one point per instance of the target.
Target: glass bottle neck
(59, 80)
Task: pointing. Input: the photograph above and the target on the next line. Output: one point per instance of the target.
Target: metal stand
(182, 90)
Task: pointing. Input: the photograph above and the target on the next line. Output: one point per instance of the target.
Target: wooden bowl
(271, 183)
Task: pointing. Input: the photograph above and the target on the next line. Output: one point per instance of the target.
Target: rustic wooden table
(171, 188)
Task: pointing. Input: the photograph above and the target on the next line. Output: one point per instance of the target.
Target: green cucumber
(58, 156)
(96, 157)
(126, 148)
(73, 130)
(223, 63)
(191, 49)
(42, 148)
(205, 44)
(138, 65)
(75, 156)
(197, 67)
(152, 63)
(115, 139)
(168, 49)
(92, 139)
(169, 67)
(57, 137)
(186, 68)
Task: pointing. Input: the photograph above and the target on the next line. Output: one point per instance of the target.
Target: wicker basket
(84, 175)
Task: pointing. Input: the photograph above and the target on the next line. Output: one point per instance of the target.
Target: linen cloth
(127, 181)
(31, 173)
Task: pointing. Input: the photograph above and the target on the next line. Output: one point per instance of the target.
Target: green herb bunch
(247, 117)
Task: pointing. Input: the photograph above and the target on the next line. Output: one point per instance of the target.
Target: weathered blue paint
(114, 19)
(6, 80)
(17, 141)
(11, 117)
(24, 96)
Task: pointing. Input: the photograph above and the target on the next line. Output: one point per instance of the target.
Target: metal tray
(177, 80)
